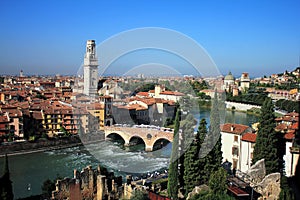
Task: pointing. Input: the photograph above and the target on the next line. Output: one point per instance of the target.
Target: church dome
(229, 77)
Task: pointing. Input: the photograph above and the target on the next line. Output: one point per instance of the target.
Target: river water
(28, 172)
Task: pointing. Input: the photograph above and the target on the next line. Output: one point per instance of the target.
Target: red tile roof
(142, 94)
(172, 93)
(249, 137)
(234, 128)
(290, 135)
(37, 115)
(295, 126)
(3, 119)
(281, 127)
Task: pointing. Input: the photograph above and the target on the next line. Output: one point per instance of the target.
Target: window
(236, 138)
(235, 151)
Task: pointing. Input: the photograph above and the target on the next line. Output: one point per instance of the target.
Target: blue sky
(48, 37)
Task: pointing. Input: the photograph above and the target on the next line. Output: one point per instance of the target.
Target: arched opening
(160, 143)
(136, 144)
(115, 137)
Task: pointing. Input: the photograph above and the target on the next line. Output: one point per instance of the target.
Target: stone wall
(90, 183)
(268, 186)
(240, 106)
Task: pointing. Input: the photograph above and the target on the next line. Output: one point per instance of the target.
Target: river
(29, 171)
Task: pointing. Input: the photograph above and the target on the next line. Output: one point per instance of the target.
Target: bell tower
(90, 69)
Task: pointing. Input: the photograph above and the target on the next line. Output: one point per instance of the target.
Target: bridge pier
(148, 148)
(126, 144)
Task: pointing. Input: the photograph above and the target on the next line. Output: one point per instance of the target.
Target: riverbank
(42, 145)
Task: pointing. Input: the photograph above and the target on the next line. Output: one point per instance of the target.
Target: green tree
(217, 181)
(193, 165)
(217, 187)
(6, 191)
(267, 139)
(286, 192)
(47, 187)
(139, 195)
(187, 127)
(173, 167)
(214, 134)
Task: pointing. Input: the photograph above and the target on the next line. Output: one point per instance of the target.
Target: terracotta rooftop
(37, 115)
(13, 112)
(234, 128)
(281, 127)
(290, 135)
(295, 126)
(172, 93)
(249, 137)
(142, 94)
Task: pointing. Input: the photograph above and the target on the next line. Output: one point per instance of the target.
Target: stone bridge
(150, 136)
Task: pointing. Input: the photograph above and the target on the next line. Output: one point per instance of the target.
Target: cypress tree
(210, 152)
(214, 134)
(193, 165)
(173, 167)
(187, 127)
(267, 139)
(6, 191)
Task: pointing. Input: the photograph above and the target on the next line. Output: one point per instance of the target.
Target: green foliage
(47, 187)
(217, 187)
(217, 181)
(193, 165)
(145, 87)
(214, 135)
(63, 129)
(267, 140)
(173, 181)
(187, 127)
(288, 105)
(255, 98)
(197, 86)
(168, 122)
(139, 195)
(286, 192)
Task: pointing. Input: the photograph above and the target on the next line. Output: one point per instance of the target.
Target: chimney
(231, 128)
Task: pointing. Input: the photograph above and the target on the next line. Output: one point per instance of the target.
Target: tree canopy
(267, 140)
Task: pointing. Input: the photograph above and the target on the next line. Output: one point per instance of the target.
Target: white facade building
(90, 69)
(247, 148)
(231, 136)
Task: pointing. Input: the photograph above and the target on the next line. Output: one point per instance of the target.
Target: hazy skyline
(48, 37)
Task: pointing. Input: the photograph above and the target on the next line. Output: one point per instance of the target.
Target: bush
(139, 195)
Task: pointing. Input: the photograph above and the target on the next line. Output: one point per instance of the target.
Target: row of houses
(36, 108)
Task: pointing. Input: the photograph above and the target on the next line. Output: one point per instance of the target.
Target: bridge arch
(136, 139)
(160, 143)
(147, 135)
(116, 136)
